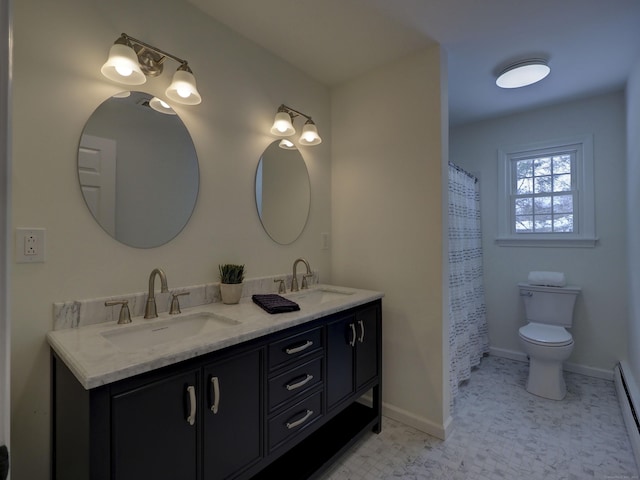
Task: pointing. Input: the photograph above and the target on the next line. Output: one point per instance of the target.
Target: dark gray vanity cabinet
(284, 405)
(151, 437)
(231, 415)
(353, 359)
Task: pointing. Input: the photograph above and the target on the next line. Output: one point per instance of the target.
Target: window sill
(571, 242)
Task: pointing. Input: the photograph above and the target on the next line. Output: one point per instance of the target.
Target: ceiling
(590, 44)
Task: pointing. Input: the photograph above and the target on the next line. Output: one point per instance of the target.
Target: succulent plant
(230, 273)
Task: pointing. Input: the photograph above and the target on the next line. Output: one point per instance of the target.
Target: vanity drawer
(294, 420)
(293, 382)
(297, 346)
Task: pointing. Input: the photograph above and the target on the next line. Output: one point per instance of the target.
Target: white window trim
(586, 237)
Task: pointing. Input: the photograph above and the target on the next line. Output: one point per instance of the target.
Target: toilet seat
(546, 335)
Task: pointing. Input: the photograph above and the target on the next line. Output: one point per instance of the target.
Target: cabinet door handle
(191, 419)
(215, 394)
(304, 381)
(354, 335)
(299, 348)
(361, 323)
(291, 425)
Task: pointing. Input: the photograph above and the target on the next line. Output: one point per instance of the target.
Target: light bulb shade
(523, 73)
(122, 66)
(310, 134)
(183, 88)
(161, 106)
(282, 125)
(287, 144)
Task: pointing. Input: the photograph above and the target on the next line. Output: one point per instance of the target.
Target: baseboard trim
(569, 367)
(419, 423)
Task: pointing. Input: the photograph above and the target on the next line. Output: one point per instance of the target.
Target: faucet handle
(305, 285)
(125, 315)
(175, 304)
(281, 287)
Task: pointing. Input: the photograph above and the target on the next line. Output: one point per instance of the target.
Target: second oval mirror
(138, 170)
(283, 193)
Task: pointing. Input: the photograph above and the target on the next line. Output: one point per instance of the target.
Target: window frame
(584, 200)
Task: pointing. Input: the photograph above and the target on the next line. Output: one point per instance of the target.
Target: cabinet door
(341, 338)
(367, 345)
(152, 436)
(232, 415)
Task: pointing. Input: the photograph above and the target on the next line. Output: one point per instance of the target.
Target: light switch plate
(30, 245)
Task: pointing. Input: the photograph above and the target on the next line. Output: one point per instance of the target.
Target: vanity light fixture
(283, 126)
(131, 61)
(287, 144)
(523, 73)
(161, 106)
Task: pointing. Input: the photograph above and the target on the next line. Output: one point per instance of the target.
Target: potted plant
(231, 278)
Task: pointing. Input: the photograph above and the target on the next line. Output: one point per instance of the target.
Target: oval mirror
(283, 193)
(138, 170)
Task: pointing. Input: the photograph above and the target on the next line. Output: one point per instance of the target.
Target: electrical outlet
(30, 245)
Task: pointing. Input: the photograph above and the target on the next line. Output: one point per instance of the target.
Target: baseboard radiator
(626, 393)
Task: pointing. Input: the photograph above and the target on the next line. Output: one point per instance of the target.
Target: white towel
(548, 279)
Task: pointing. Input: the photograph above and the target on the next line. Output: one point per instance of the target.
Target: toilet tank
(550, 305)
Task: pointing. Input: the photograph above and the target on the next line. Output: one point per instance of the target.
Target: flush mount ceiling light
(131, 61)
(523, 73)
(283, 126)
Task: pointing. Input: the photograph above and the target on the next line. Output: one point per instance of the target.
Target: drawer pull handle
(304, 381)
(301, 421)
(191, 419)
(361, 339)
(215, 387)
(354, 335)
(299, 348)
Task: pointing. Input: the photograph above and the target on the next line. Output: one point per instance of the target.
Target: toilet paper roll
(548, 279)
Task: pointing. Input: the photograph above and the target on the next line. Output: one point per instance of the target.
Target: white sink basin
(319, 295)
(140, 337)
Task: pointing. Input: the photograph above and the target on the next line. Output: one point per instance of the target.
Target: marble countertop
(96, 361)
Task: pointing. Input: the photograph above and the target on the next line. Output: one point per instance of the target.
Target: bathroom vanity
(262, 396)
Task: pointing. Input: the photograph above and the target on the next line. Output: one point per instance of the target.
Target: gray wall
(600, 326)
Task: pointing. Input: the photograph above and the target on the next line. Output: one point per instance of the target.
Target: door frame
(6, 40)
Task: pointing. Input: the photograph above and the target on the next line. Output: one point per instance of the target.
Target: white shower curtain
(468, 334)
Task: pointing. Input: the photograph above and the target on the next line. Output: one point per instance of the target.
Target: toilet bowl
(545, 339)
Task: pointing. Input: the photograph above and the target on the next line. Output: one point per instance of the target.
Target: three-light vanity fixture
(283, 127)
(131, 61)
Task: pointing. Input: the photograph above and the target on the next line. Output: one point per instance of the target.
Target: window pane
(542, 223)
(562, 164)
(542, 166)
(563, 204)
(563, 223)
(542, 205)
(524, 168)
(524, 185)
(562, 183)
(524, 206)
(524, 223)
(542, 184)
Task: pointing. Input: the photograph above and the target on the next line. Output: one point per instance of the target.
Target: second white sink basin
(140, 337)
(319, 295)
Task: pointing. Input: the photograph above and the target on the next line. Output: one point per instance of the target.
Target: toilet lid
(549, 335)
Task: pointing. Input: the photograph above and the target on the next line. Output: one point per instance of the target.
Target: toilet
(545, 339)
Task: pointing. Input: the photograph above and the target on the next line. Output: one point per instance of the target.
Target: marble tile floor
(504, 433)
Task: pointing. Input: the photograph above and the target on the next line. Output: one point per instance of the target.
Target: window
(546, 194)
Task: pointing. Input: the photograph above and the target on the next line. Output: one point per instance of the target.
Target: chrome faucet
(150, 310)
(294, 279)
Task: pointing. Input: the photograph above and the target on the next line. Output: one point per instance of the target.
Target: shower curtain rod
(460, 169)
